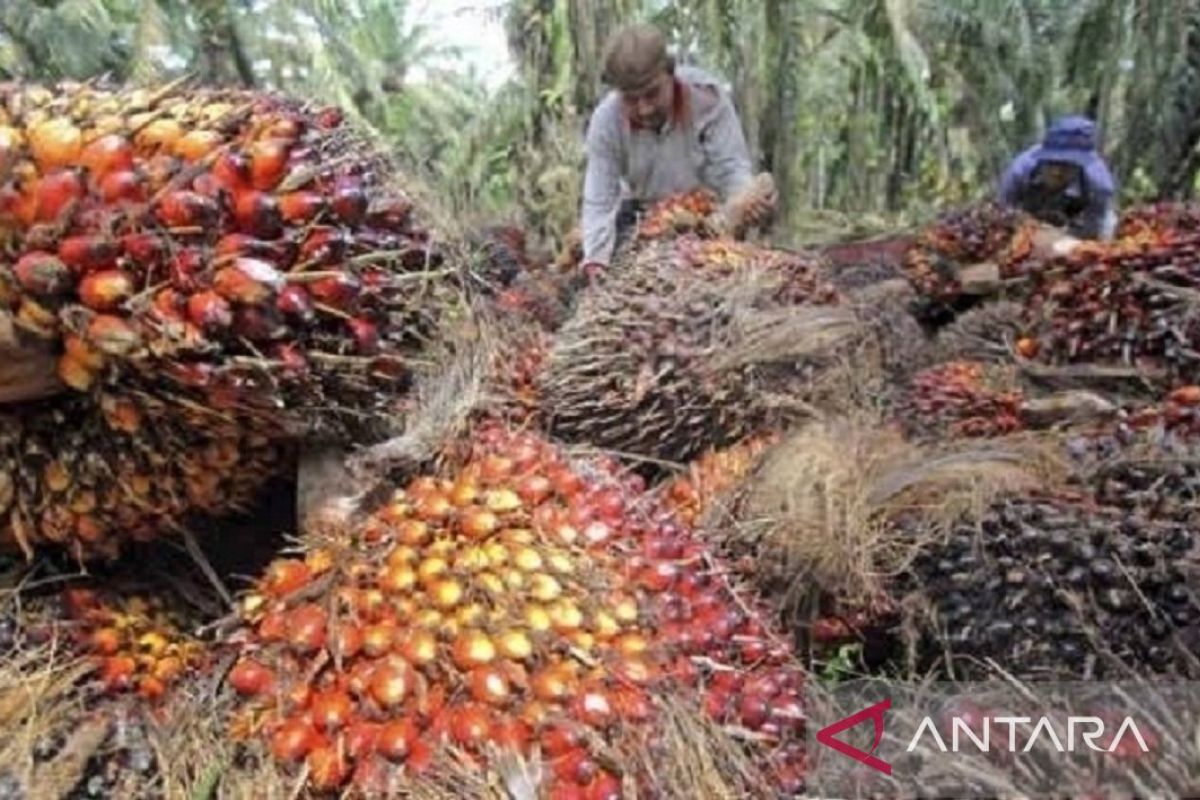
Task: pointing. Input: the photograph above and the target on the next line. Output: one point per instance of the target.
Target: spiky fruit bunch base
(521, 604)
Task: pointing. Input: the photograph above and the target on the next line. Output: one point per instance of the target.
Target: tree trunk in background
(778, 136)
(221, 55)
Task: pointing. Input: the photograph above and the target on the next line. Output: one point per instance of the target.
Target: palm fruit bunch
(991, 332)
(690, 212)
(1127, 302)
(1146, 460)
(1058, 588)
(206, 258)
(664, 359)
(520, 603)
(712, 475)
(90, 472)
(963, 398)
(726, 257)
(1159, 219)
(137, 641)
(986, 232)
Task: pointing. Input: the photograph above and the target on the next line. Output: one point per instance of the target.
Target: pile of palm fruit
(221, 271)
(962, 398)
(518, 601)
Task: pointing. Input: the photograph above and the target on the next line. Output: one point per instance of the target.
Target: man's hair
(636, 55)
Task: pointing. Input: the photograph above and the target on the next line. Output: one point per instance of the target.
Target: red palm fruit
(87, 252)
(56, 142)
(208, 311)
(249, 677)
(361, 739)
(291, 358)
(186, 269)
(391, 214)
(257, 213)
(294, 302)
(184, 209)
(605, 786)
(168, 306)
(75, 373)
(112, 335)
(208, 186)
(390, 685)
(323, 245)
(257, 324)
(470, 725)
(306, 628)
(268, 163)
(116, 673)
(123, 186)
(365, 333)
(329, 118)
(80, 350)
(144, 249)
(512, 734)
(339, 291)
(331, 710)
(301, 206)
(349, 200)
(191, 374)
(248, 281)
(278, 253)
(286, 575)
(106, 154)
(41, 273)
(57, 192)
(559, 739)
(293, 740)
(232, 170)
(396, 739)
(576, 765)
(106, 289)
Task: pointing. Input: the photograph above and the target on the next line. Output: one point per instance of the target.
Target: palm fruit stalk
(1058, 588)
(236, 266)
(962, 398)
(646, 364)
(520, 603)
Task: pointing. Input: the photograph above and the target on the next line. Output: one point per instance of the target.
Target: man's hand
(754, 205)
(592, 271)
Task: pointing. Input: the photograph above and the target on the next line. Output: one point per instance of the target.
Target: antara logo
(873, 713)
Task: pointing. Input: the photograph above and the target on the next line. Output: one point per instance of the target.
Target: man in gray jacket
(662, 131)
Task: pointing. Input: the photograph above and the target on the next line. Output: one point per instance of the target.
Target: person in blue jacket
(1064, 181)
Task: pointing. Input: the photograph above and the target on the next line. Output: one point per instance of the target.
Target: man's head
(638, 66)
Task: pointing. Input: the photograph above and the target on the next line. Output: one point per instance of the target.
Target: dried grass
(820, 509)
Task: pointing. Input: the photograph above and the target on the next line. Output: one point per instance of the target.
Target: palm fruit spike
(636, 368)
(238, 198)
(511, 602)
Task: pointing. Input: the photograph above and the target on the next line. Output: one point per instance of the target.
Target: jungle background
(870, 113)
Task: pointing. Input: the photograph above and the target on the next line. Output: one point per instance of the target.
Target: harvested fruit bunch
(87, 473)
(666, 360)
(520, 603)
(685, 213)
(962, 398)
(136, 641)
(1128, 302)
(225, 250)
(1159, 219)
(1148, 460)
(713, 474)
(1041, 584)
(725, 257)
(960, 239)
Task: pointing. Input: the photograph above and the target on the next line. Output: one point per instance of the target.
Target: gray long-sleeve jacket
(706, 148)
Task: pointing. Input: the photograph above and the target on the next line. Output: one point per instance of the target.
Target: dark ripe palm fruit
(643, 345)
(1030, 621)
(203, 246)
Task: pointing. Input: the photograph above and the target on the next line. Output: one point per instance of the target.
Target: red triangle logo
(873, 713)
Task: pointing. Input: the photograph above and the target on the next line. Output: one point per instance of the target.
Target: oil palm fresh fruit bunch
(713, 474)
(230, 264)
(963, 398)
(517, 603)
(665, 358)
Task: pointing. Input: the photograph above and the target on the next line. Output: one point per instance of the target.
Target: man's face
(650, 105)
(1056, 176)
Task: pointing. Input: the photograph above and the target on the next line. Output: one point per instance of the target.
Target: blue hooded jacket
(1072, 140)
